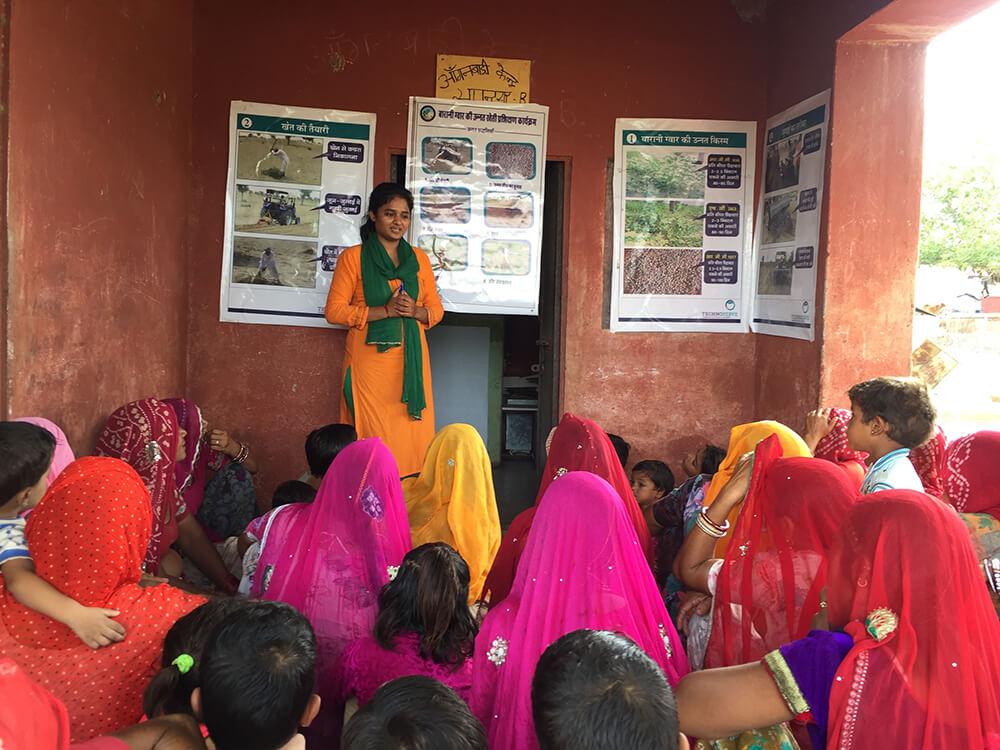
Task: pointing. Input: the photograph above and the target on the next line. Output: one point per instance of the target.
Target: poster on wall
(477, 172)
(786, 248)
(298, 186)
(683, 196)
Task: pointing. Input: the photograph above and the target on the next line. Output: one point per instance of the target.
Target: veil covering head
(578, 444)
(772, 579)
(579, 570)
(905, 584)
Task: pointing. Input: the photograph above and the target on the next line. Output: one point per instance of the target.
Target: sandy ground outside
(302, 167)
(296, 262)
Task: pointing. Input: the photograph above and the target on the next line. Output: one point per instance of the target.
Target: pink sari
(578, 570)
(63, 455)
(331, 558)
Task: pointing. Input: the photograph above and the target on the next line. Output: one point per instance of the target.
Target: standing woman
(384, 291)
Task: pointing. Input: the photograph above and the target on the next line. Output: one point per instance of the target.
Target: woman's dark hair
(26, 452)
(169, 692)
(382, 194)
(414, 713)
(292, 491)
(429, 597)
(659, 474)
(257, 676)
(596, 690)
(712, 459)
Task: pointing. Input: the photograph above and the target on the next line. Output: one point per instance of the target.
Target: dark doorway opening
(523, 368)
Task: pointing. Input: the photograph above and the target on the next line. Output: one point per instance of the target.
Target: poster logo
(805, 307)
(630, 138)
(246, 122)
(427, 113)
(730, 304)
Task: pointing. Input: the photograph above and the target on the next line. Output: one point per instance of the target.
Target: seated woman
(826, 436)
(895, 671)
(63, 455)
(928, 460)
(577, 444)
(215, 478)
(743, 439)
(579, 570)
(971, 483)
(452, 501)
(146, 435)
(423, 627)
(768, 589)
(330, 559)
(88, 537)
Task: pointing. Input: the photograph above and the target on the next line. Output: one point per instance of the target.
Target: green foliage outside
(663, 224)
(672, 176)
(960, 221)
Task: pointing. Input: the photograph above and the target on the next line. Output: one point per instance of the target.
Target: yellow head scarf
(743, 439)
(452, 501)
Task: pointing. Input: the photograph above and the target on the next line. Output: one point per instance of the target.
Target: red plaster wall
(99, 164)
(802, 43)
(660, 391)
(872, 202)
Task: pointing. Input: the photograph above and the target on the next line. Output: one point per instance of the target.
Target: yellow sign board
(483, 79)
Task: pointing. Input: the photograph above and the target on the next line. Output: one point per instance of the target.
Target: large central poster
(683, 191)
(477, 172)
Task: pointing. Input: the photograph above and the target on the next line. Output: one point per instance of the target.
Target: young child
(705, 460)
(25, 456)
(169, 692)
(889, 416)
(322, 446)
(651, 482)
(249, 542)
(424, 626)
(414, 712)
(292, 491)
(596, 690)
(257, 677)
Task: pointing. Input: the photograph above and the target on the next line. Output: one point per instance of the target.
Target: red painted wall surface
(871, 206)
(663, 392)
(99, 168)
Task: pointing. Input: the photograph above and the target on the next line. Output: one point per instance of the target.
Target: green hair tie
(183, 662)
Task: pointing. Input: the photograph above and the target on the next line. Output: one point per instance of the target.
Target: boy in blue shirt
(889, 417)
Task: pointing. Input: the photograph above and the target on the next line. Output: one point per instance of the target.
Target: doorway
(501, 373)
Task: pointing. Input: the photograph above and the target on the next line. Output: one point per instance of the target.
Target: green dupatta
(376, 272)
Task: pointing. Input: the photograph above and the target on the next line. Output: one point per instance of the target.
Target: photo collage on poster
(299, 180)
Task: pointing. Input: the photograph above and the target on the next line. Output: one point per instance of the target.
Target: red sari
(905, 585)
(578, 444)
(835, 447)
(88, 537)
(145, 435)
(771, 582)
(971, 473)
(928, 460)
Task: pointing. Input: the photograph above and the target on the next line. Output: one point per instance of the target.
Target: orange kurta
(377, 378)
